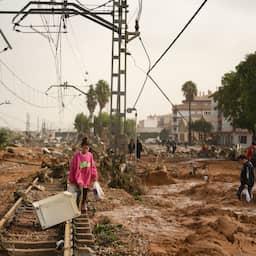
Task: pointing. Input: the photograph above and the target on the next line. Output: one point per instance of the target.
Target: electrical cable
(155, 83)
(102, 5)
(146, 78)
(139, 10)
(22, 99)
(177, 37)
(95, 8)
(77, 46)
(19, 79)
(74, 53)
(158, 60)
(8, 116)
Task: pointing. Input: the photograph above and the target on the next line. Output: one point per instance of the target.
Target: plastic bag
(245, 193)
(97, 191)
(72, 188)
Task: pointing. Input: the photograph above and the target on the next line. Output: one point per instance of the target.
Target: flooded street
(192, 216)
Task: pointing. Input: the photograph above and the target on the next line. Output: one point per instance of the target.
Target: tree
(102, 121)
(202, 127)
(4, 134)
(81, 123)
(103, 93)
(164, 135)
(130, 125)
(189, 91)
(91, 103)
(236, 97)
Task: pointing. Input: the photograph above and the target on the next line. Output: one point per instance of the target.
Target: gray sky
(217, 40)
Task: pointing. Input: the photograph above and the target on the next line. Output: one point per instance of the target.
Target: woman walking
(83, 172)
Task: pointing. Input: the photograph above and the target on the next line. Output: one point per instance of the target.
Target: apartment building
(201, 106)
(153, 125)
(204, 106)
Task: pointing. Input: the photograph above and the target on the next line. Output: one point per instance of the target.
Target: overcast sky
(217, 40)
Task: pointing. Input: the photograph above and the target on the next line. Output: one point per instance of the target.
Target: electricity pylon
(120, 39)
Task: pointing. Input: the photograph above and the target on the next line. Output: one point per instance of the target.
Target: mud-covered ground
(15, 176)
(184, 211)
(182, 214)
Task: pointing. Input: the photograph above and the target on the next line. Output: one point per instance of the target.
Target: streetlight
(130, 110)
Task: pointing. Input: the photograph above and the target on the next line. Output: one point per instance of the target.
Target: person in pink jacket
(83, 171)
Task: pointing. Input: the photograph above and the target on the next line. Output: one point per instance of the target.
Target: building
(153, 125)
(201, 106)
(204, 106)
(165, 121)
(150, 122)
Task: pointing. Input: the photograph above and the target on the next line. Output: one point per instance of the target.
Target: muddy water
(191, 217)
(154, 218)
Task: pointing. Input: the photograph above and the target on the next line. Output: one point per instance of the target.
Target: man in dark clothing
(246, 176)
(251, 153)
(131, 146)
(138, 149)
(174, 146)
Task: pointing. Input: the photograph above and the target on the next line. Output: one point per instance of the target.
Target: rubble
(184, 199)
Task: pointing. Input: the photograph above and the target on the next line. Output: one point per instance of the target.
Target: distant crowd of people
(83, 171)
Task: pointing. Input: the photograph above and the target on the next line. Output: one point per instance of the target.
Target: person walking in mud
(251, 154)
(131, 147)
(246, 176)
(174, 147)
(138, 149)
(83, 172)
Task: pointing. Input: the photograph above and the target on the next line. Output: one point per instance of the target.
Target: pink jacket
(83, 169)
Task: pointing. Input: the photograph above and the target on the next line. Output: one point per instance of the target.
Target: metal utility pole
(119, 76)
(120, 38)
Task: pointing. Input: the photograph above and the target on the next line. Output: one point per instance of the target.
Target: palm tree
(91, 104)
(103, 93)
(189, 91)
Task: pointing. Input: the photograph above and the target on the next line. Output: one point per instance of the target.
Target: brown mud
(179, 214)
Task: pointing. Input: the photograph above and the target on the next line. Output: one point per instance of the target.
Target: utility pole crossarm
(65, 85)
(132, 35)
(63, 8)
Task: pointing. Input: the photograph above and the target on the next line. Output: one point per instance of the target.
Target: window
(243, 139)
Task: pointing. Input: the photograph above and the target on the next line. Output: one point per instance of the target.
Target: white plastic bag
(245, 193)
(97, 191)
(72, 188)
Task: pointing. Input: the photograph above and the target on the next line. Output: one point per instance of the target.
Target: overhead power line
(102, 5)
(97, 6)
(177, 37)
(162, 55)
(158, 60)
(24, 83)
(22, 99)
(158, 87)
(146, 78)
